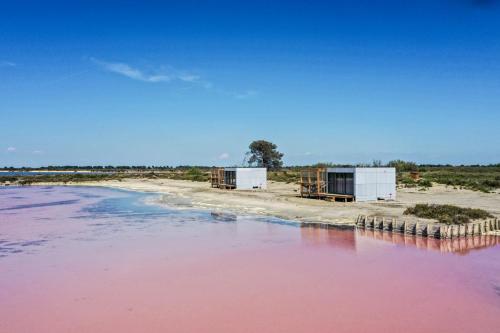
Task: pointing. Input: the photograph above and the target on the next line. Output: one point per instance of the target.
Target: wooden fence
(428, 229)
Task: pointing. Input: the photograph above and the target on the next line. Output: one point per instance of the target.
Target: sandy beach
(282, 200)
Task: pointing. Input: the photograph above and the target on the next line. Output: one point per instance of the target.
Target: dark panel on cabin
(341, 183)
(230, 178)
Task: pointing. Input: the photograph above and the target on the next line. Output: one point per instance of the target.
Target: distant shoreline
(53, 171)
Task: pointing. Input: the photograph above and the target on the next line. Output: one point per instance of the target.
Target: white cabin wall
(386, 183)
(374, 183)
(365, 184)
(250, 178)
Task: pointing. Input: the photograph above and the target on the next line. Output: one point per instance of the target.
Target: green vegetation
(265, 154)
(485, 178)
(478, 178)
(196, 175)
(403, 166)
(284, 176)
(448, 214)
(193, 174)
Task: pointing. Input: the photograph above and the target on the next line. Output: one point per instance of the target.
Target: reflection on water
(341, 239)
(348, 239)
(458, 245)
(38, 205)
(105, 261)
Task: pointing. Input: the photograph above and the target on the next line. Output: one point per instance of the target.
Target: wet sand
(282, 200)
(95, 260)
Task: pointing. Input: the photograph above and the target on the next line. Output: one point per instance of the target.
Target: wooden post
(461, 230)
(469, 231)
(317, 181)
(309, 180)
(442, 231)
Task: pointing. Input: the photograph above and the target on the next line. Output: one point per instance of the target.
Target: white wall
(374, 183)
(250, 178)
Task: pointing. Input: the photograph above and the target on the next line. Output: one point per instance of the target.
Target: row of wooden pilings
(428, 229)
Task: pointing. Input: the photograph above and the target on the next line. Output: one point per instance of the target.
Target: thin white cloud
(132, 73)
(167, 74)
(223, 156)
(11, 149)
(38, 152)
(189, 78)
(155, 76)
(246, 94)
(7, 64)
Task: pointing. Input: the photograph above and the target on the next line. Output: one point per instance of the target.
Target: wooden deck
(339, 197)
(227, 186)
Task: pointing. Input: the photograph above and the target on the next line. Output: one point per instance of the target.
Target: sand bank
(282, 200)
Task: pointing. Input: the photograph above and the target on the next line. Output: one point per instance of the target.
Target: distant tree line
(400, 165)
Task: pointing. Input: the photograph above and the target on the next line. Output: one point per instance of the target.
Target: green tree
(265, 154)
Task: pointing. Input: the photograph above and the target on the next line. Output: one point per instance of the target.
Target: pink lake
(76, 259)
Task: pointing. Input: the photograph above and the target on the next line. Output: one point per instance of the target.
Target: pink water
(97, 260)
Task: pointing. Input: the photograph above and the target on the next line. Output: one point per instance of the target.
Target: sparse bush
(447, 213)
(196, 175)
(407, 181)
(477, 178)
(424, 183)
(284, 176)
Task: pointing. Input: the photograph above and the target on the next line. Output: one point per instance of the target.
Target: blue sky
(169, 83)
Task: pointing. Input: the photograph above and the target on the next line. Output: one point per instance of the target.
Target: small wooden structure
(217, 177)
(314, 184)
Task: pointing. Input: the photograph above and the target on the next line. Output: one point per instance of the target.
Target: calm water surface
(99, 260)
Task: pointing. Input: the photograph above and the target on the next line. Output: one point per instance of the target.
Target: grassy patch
(285, 176)
(448, 214)
(479, 178)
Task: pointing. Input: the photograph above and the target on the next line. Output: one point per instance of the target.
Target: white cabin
(245, 178)
(364, 184)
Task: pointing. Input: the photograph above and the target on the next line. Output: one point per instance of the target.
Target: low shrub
(448, 214)
(285, 176)
(196, 175)
(424, 183)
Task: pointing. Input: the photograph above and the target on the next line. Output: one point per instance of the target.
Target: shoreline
(282, 200)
